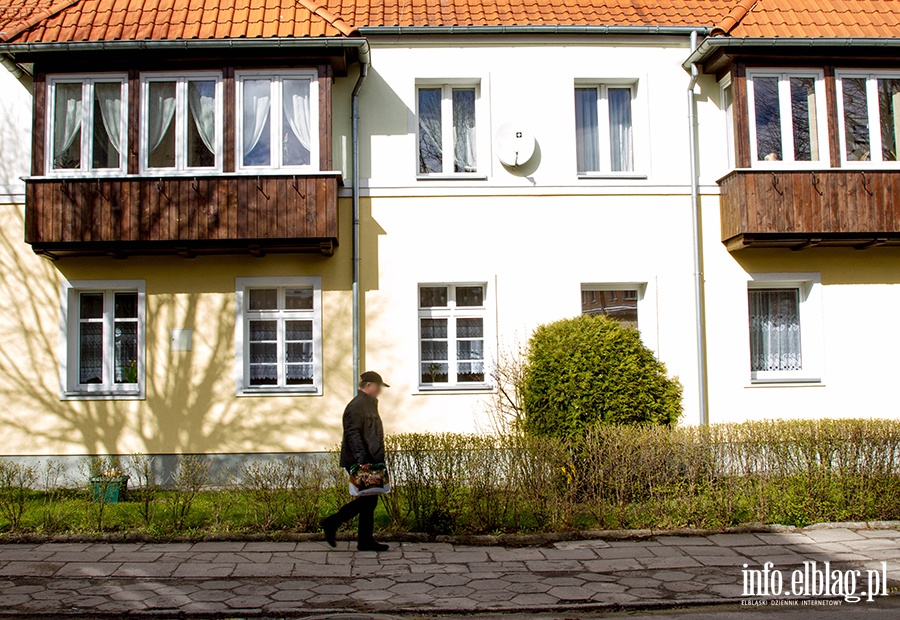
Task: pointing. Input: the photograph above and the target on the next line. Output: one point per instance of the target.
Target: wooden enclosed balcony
(798, 209)
(215, 214)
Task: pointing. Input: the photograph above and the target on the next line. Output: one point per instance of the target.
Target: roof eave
(360, 43)
(711, 44)
(563, 29)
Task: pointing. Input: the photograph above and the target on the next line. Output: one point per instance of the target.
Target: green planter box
(110, 490)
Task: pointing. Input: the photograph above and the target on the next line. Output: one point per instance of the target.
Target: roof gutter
(359, 43)
(512, 30)
(713, 43)
(18, 72)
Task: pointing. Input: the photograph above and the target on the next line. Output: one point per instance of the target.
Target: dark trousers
(364, 507)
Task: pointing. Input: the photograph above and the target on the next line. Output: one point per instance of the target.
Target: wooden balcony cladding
(216, 214)
(798, 209)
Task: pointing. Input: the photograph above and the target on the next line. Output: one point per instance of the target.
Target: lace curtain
(256, 106)
(161, 112)
(202, 104)
(109, 100)
(297, 116)
(620, 138)
(775, 329)
(66, 122)
(587, 139)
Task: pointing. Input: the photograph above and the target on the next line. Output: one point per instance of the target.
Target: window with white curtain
(87, 124)
(103, 334)
(869, 115)
(447, 129)
(785, 328)
(452, 332)
(787, 117)
(604, 128)
(279, 335)
(182, 122)
(277, 120)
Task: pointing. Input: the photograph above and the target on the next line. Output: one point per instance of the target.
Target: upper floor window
(787, 116)
(277, 114)
(182, 122)
(447, 129)
(869, 116)
(87, 124)
(604, 132)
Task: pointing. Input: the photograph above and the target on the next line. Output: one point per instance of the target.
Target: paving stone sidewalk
(241, 579)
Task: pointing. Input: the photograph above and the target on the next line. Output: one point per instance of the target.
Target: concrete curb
(478, 540)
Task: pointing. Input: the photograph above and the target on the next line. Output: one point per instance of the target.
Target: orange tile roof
(530, 12)
(28, 21)
(109, 20)
(808, 18)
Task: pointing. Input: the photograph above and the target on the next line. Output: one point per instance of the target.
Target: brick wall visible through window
(619, 304)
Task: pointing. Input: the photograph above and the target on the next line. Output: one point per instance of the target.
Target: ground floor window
(452, 327)
(784, 324)
(103, 336)
(618, 302)
(279, 335)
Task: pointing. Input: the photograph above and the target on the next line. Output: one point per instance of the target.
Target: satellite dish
(514, 144)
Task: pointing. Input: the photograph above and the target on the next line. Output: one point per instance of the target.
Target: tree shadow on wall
(190, 404)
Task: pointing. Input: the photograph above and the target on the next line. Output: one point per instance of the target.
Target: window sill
(102, 396)
(199, 173)
(625, 176)
(475, 388)
(314, 391)
(462, 176)
(786, 382)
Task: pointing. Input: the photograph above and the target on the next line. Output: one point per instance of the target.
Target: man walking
(363, 444)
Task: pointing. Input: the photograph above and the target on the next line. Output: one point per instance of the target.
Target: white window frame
(787, 125)
(647, 325)
(87, 120)
(70, 388)
(602, 87)
(726, 104)
(276, 120)
(483, 312)
(241, 333)
(181, 80)
(809, 286)
(874, 117)
(482, 157)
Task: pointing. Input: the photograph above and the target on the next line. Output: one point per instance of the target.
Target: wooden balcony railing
(802, 208)
(215, 214)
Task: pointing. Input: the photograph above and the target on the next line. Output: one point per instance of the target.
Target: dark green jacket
(363, 433)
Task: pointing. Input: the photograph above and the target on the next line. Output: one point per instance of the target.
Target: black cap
(371, 376)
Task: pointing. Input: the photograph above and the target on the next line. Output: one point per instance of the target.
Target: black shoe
(372, 546)
(330, 532)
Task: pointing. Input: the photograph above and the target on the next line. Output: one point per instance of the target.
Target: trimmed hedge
(588, 370)
(789, 472)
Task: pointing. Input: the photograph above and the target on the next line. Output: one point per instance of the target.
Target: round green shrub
(590, 370)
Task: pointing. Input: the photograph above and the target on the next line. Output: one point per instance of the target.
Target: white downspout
(699, 293)
(354, 140)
